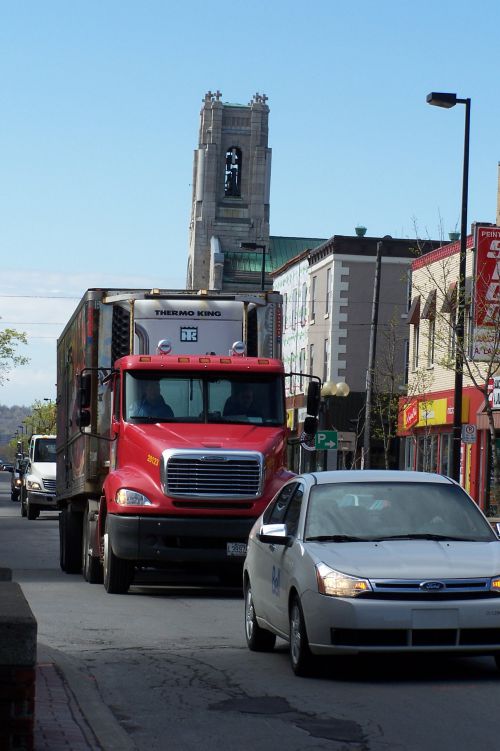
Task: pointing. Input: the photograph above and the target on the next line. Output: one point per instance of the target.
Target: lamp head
(439, 99)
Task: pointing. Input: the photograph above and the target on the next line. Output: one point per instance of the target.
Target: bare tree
(437, 285)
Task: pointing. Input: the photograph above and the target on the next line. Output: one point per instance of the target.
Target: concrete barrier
(18, 633)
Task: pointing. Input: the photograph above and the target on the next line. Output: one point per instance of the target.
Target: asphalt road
(167, 667)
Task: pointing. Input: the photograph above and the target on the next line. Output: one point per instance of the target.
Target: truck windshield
(152, 396)
(45, 450)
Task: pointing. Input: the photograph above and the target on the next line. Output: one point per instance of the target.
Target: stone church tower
(231, 185)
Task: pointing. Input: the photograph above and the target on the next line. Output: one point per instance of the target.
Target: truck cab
(39, 485)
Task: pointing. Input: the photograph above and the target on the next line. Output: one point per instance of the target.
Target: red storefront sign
(410, 414)
(486, 293)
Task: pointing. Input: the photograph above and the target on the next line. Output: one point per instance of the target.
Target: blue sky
(100, 117)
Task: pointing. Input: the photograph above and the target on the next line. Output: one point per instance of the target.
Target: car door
(285, 559)
(262, 573)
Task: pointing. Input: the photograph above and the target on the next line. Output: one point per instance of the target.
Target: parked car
(6, 467)
(350, 562)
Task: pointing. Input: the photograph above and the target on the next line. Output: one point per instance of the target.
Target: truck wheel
(91, 567)
(70, 539)
(117, 571)
(32, 512)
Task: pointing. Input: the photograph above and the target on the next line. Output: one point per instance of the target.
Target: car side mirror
(274, 534)
(313, 398)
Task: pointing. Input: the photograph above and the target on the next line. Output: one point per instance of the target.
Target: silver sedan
(372, 561)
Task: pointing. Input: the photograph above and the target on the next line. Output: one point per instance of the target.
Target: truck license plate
(236, 549)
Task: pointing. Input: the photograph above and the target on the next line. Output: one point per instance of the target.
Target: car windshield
(397, 510)
(199, 397)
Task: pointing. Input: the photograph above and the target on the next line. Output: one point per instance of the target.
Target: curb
(99, 718)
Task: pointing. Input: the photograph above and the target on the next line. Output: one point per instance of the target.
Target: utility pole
(371, 354)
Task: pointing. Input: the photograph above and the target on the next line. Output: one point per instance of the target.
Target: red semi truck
(180, 483)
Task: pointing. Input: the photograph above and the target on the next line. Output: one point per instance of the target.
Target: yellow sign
(432, 412)
(290, 419)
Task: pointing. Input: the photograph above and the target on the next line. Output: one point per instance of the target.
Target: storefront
(426, 430)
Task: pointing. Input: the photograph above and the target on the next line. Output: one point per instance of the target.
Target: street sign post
(326, 440)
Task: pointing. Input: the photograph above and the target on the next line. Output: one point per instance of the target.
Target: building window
(328, 293)
(416, 336)
(285, 309)
(431, 342)
(326, 358)
(445, 453)
(303, 304)
(410, 445)
(427, 453)
(311, 359)
(232, 176)
(302, 365)
(294, 308)
(406, 347)
(313, 298)
(452, 337)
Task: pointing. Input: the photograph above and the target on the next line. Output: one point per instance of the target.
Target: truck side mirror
(313, 398)
(83, 417)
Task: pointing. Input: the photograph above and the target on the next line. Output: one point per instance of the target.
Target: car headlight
(337, 584)
(126, 497)
(33, 485)
(495, 584)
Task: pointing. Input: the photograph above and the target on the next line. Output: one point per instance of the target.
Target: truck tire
(91, 566)
(70, 541)
(23, 504)
(32, 512)
(118, 572)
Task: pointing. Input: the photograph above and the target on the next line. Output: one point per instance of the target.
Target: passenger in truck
(241, 403)
(151, 403)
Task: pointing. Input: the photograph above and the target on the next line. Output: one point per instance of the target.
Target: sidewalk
(70, 714)
(59, 722)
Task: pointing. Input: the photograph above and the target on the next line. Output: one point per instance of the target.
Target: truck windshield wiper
(425, 536)
(336, 538)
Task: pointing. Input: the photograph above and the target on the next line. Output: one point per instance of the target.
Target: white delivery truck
(39, 486)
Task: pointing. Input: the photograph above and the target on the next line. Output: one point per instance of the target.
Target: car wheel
(91, 566)
(118, 572)
(258, 638)
(300, 655)
(32, 512)
(70, 541)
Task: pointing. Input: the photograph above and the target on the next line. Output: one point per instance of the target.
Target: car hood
(410, 559)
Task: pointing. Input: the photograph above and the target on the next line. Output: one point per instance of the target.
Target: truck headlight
(337, 584)
(33, 485)
(126, 497)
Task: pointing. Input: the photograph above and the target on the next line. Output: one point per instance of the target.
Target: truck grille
(233, 475)
(49, 485)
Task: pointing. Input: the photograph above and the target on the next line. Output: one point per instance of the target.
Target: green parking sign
(326, 440)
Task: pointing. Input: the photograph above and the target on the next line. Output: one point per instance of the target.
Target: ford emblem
(432, 586)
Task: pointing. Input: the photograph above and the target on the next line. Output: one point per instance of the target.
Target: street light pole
(447, 101)
(257, 246)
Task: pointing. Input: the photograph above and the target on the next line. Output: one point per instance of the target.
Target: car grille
(49, 485)
(417, 637)
(232, 475)
(429, 589)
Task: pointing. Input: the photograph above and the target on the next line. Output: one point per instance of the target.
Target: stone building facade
(231, 186)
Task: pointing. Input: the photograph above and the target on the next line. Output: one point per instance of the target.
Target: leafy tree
(9, 340)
